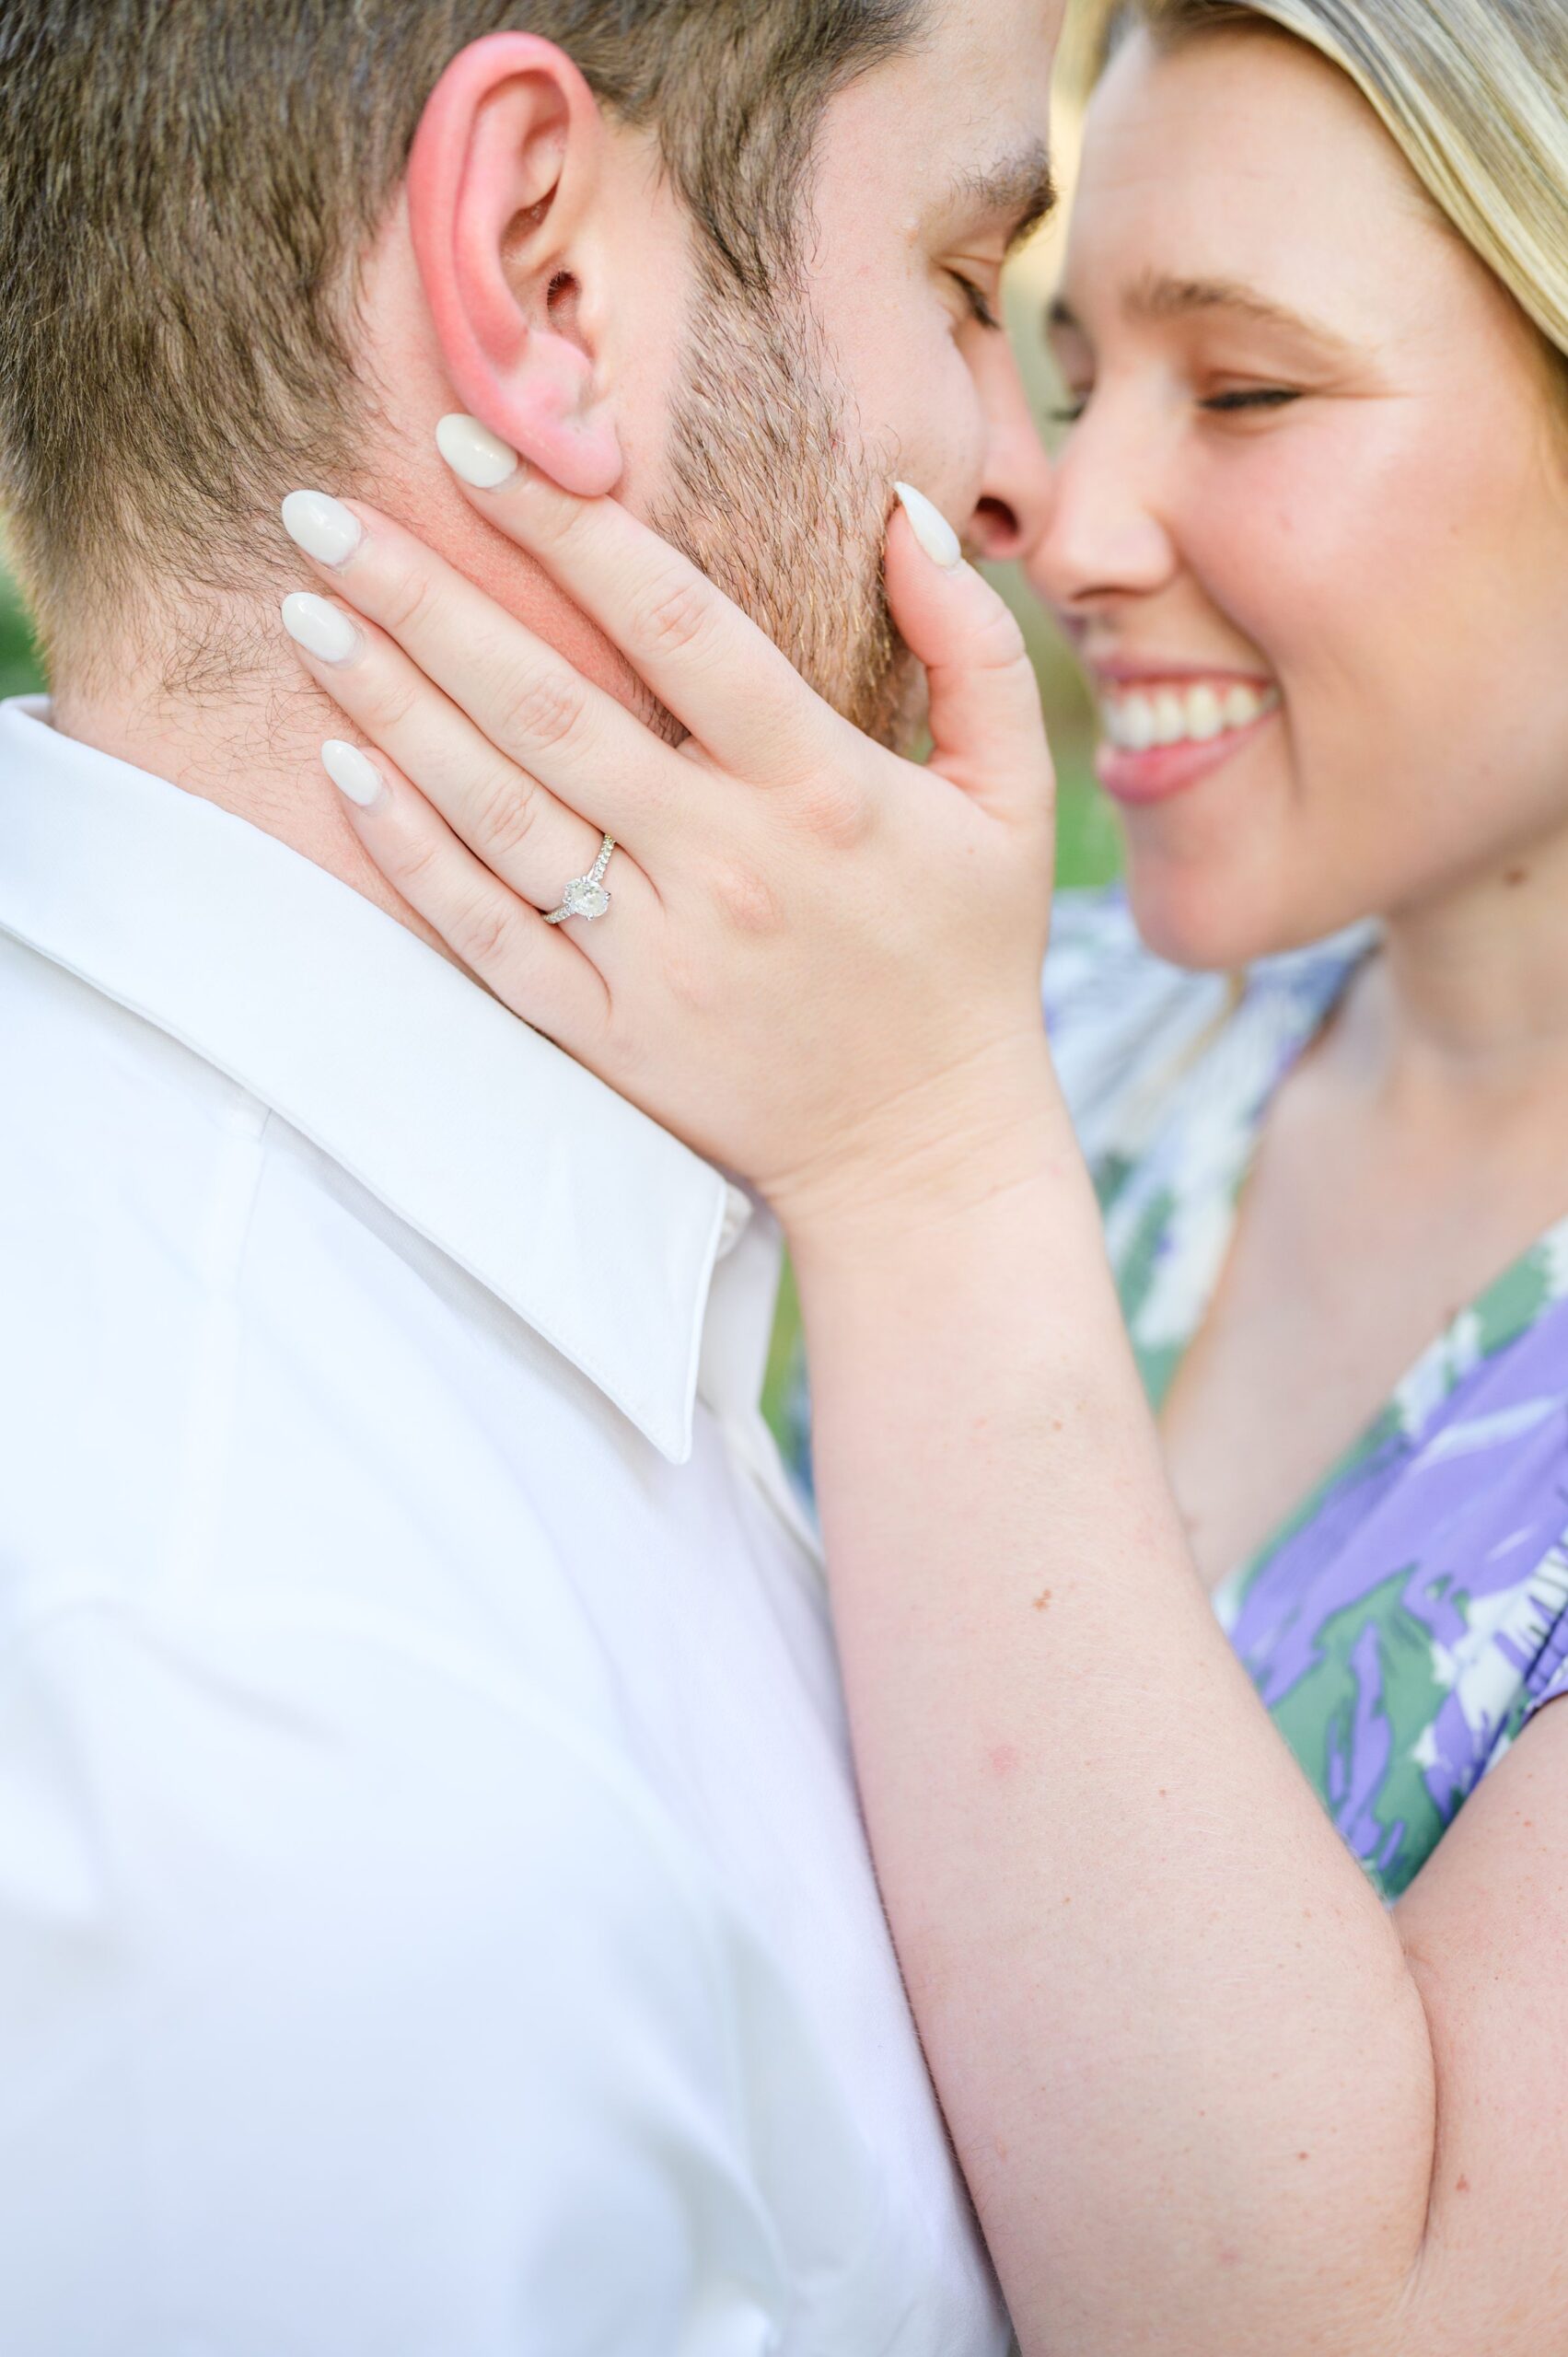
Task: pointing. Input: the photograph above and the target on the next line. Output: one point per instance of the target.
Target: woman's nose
(1101, 535)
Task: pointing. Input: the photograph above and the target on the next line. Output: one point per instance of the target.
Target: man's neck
(256, 752)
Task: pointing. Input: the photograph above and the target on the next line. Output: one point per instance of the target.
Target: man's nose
(1102, 534)
(1015, 486)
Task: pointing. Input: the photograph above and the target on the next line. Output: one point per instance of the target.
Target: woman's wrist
(931, 1158)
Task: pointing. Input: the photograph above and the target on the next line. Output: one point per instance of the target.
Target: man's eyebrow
(1019, 189)
(1154, 296)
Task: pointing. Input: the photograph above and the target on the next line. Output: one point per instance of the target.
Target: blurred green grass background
(20, 670)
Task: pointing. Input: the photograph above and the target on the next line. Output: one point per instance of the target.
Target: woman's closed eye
(1250, 398)
(1238, 401)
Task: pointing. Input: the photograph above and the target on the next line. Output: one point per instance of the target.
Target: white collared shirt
(434, 1916)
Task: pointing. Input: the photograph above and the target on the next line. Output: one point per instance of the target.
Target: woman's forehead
(1245, 162)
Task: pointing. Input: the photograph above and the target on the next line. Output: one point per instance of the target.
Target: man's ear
(503, 177)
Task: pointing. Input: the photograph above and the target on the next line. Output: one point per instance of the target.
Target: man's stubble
(774, 493)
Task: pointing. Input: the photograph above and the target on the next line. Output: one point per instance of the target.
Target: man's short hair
(187, 188)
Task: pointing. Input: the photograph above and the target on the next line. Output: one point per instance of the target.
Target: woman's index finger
(707, 662)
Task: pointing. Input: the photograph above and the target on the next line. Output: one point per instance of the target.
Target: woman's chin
(1220, 870)
(1209, 919)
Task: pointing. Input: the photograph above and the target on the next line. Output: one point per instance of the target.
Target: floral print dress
(1413, 1614)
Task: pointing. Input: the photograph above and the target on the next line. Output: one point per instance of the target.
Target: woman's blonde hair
(1473, 92)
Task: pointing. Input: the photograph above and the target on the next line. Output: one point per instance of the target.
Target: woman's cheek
(1281, 550)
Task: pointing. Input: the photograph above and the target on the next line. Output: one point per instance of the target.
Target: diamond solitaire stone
(584, 898)
(586, 895)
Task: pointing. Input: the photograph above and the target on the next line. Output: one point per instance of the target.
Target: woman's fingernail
(323, 630)
(932, 529)
(472, 451)
(323, 527)
(354, 773)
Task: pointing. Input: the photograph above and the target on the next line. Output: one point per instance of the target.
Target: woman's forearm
(1187, 2069)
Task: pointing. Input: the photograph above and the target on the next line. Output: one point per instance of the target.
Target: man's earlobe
(502, 179)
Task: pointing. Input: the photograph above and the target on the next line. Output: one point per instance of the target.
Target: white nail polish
(354, 773)
(472, 451)
(322, 630)
(932, 529)
(323, 527)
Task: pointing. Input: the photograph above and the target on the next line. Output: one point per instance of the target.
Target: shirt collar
(592, 1223)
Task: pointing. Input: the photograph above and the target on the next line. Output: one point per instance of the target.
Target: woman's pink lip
(1126, 670)
(1163, 770)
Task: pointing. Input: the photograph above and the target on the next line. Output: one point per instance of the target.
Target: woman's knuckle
(405, 598)
(540, 709)
(392, 701)
(414, 861)
(745, 898)
(675, 618)
(833, 811)
(482, 929)
(505, 814)
(999, 642)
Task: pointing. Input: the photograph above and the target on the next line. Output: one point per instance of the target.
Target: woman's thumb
(986, 725)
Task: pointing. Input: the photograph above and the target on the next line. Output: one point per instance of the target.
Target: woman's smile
(1163, 730)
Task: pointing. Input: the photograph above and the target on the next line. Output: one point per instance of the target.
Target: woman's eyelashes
(1238, 401)
(1256, 397)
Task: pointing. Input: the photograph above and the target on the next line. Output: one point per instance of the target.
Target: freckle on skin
(1042, 1600)
(1518, 876)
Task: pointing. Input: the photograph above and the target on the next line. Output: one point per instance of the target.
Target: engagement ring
(586, 895)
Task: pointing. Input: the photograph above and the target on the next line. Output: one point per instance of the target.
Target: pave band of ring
(586, 895)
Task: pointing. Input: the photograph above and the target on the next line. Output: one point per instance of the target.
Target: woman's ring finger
(527, 837)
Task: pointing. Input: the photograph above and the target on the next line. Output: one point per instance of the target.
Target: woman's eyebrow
(1155, 296)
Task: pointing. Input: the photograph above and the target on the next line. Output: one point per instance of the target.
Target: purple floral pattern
(1412, 1615)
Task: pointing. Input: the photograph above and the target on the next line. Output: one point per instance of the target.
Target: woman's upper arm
(1485, 1931)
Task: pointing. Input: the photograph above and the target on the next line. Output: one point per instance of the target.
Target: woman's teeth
(1137, 718)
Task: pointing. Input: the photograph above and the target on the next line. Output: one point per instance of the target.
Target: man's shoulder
(72, 1059)
(272, 1377)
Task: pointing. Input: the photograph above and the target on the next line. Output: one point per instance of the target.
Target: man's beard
(774, 494)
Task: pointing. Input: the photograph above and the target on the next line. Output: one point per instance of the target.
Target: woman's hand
(822, 963)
